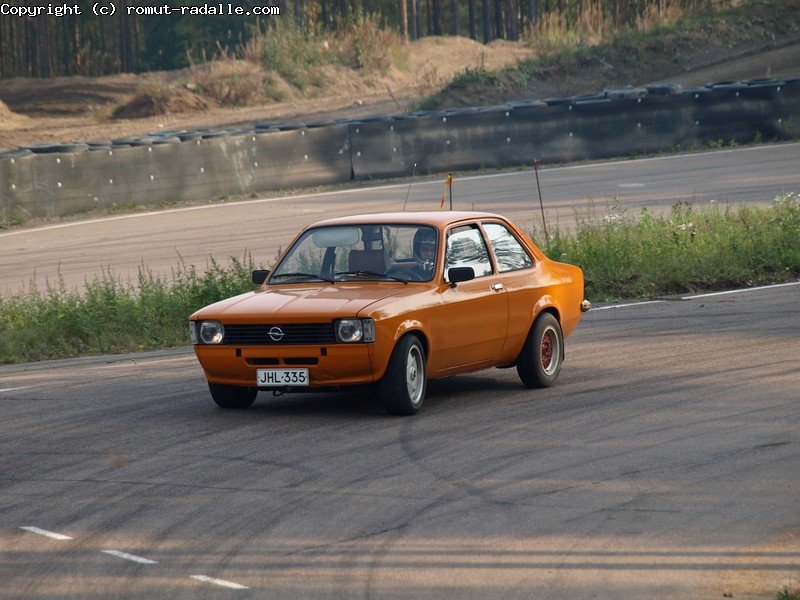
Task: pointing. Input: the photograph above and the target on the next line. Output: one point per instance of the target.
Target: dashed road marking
(137, 559)
(131, 557)
(14, 389)
(595, 308)
(44, 532)
(220, 582)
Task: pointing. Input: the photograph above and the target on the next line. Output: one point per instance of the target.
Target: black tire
(232, 396)
(539, 363)
(402, 388)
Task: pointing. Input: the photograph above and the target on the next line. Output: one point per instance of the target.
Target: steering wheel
(404, 274)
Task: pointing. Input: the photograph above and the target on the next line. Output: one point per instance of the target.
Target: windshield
(381, 252)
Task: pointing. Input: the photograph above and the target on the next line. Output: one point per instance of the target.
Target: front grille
(293, 334)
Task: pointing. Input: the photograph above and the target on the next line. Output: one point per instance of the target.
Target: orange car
(393, 299)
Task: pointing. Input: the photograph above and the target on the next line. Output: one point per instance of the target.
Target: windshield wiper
(371, 274)
(298, 275)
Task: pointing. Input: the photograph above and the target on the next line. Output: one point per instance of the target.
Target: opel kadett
(392, 299)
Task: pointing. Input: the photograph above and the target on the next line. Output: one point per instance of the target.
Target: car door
(469, 328)
(519, 274)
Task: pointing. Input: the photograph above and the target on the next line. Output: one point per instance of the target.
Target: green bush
(111, 316)
(788, 594)
(287, 50)
(686, 251)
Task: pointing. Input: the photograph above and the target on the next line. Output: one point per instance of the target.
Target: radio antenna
(541, 203)
(408, 191)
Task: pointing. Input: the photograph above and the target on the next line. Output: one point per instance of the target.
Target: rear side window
(509, 252)
(465, 248)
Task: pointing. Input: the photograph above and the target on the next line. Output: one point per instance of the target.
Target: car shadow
(451, 393)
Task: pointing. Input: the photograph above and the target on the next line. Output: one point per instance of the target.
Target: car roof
(437, 218)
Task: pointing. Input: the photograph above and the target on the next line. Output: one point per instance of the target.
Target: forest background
(87, 77)
(139, 37)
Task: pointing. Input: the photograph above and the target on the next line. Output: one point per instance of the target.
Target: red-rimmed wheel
(539, 363)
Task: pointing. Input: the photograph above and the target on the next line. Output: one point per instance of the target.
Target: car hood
(302, 302)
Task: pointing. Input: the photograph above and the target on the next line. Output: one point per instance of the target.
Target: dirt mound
(10, 119)
(149, 105)
(66, 109)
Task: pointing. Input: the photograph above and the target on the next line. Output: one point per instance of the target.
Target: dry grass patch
(231, 82)
(159, 99)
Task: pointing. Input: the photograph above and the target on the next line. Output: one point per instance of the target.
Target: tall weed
(365, 46)
(112, 316)
(623, 257)
(687, 251)
(292, 53)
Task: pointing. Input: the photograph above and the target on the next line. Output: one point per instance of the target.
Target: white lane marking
(138, 559)
(708, 295)
(44, 532)
(631, 185)
(434, 182)
(22, 387)
(221, 582)
(740, 291)
(131, 557)
(595, 308)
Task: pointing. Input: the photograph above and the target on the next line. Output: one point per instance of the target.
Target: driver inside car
(425, 252)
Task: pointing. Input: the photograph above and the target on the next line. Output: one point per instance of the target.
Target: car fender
(548, 303)
(381, 352)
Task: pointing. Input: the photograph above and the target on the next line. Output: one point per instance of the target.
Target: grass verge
(686, 251)
(112, 316)
(788, 594)
(623, 257)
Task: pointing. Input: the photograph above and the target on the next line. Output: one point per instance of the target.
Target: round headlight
(349, 330)
(211, 332)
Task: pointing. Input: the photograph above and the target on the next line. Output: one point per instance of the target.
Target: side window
(509, 252)
(465, 248)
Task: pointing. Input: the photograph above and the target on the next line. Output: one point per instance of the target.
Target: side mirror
(260, 276)
(458, 274)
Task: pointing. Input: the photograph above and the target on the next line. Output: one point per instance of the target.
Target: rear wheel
(232, 396)
(539, 363)
(402, 387)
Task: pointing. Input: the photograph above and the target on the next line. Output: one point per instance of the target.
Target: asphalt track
(158, 242)
(662, 465)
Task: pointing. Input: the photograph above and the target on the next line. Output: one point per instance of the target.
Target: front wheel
(539, 363)
(402, 388)
(232, 396)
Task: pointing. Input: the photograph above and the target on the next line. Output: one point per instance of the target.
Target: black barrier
(788, 100)
(721, 111)
(302, 157)
(475, 140)
(57, 179)
(461, 140)
(605, 128)
(539, 131)
(375, 151)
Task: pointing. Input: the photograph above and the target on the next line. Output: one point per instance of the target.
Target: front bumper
(334, 365)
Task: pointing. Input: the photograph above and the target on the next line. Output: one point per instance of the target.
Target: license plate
(280, 377)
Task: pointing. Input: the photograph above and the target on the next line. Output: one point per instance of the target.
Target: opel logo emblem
(276, 334)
